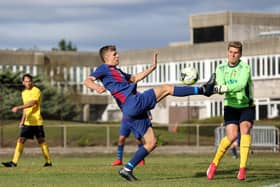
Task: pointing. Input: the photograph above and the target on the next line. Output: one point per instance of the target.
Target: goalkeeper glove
(220, 89)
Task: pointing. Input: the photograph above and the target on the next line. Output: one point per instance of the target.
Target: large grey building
(210, 33)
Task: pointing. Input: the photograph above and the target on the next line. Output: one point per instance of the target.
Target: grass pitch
(160, 170)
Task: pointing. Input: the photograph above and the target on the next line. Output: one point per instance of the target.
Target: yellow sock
(17, 153)
(224, 145)
(46, 153)
(245, 144)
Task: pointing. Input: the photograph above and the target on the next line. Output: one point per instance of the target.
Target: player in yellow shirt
(31, 123)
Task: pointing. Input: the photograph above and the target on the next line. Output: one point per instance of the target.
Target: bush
(55, 104)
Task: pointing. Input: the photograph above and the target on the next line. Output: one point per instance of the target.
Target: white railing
(262, 136)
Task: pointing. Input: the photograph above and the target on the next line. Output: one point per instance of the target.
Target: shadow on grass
(252, 175)
(219, 172)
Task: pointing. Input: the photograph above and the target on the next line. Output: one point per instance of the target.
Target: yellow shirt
(32, 114)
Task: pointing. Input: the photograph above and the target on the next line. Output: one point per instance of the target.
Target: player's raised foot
(128, 175)
(141, 163)
(117, 162)
(47, 164)
(211, 171)
(9, 164)
(208, 87)
(241, 174)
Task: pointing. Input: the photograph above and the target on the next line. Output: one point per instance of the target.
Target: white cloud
(69, 2)
(89, 23)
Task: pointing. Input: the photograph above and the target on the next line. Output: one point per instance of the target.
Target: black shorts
(29, 132)
(237, 115)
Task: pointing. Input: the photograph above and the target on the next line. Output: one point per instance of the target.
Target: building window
(208, 34)
(263, 67)
(278, 65)
(258, 67)
(253, 67)
(268, 66)
(273, 66)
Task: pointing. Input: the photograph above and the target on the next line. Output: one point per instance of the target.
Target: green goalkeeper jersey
(238, 82)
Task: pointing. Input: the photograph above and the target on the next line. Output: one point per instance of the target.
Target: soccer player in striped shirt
(134, 105)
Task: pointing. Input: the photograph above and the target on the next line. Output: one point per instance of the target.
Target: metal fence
(70, 135)
(262, 136)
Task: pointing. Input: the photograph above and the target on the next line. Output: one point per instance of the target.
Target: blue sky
(89, 24)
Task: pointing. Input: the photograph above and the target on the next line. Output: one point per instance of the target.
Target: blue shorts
(139, 103)
(237, 115)
(138, 125)
(125, 130)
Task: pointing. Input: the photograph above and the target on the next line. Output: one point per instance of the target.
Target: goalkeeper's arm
(220, 89)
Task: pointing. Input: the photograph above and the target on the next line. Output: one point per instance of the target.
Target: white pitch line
(273, 185)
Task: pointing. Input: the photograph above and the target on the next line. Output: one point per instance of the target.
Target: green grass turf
(160, 170)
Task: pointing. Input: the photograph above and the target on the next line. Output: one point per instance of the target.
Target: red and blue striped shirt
(116, 81)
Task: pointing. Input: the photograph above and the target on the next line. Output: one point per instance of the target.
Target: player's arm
(140, 76)
(21, 123)
(26, 105)
(240, 83)
(90, 83)
(220, 86)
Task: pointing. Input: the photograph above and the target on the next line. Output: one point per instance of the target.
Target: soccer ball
(189, 75)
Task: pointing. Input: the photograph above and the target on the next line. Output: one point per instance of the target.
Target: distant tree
(63, 45)
(59, 105)
(55, 104)
(10, 86)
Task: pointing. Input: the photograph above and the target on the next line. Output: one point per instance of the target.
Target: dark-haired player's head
(109, 55)
(27, 81)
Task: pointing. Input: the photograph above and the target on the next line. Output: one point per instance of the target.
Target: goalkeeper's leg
(245, 144)
(231, 131)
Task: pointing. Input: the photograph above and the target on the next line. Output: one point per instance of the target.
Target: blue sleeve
(100, 71)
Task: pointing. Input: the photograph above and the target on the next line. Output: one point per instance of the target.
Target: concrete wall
(190, 52)
(237, 25)
(143, 56)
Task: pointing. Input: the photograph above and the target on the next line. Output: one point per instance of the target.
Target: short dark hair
(235, 44)
(105, 49)
(27, 75)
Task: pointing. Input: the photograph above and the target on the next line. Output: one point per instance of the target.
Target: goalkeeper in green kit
(233, 78)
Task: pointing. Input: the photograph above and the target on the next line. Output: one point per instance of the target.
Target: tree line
(55, 103)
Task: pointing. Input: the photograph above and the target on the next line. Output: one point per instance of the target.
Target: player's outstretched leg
(208, 87)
